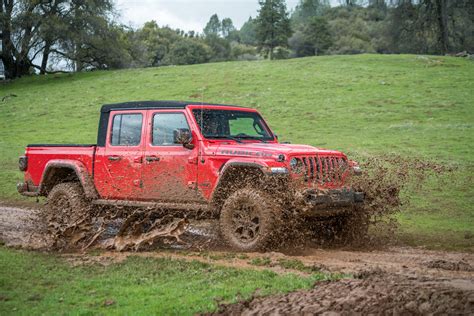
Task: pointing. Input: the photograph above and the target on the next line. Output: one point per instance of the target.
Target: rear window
(126, 130)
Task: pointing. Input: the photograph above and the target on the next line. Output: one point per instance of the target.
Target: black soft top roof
(136, 105)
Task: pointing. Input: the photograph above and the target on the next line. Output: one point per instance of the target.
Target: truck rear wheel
(248, 219)
(67, 208)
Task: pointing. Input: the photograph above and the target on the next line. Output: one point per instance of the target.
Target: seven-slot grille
(324, 169)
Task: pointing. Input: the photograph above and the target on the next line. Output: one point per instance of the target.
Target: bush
(281, 53)
(188, 51)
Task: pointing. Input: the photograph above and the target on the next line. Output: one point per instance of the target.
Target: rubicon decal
(245, 153)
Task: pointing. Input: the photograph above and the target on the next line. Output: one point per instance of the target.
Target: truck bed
(40, 155)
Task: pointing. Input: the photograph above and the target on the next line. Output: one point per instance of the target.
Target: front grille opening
(324, 169)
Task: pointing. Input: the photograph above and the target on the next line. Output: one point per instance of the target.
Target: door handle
(114, 158)
(152, 158)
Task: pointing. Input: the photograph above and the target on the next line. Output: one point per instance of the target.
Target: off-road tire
(67, 208)
(248, 220)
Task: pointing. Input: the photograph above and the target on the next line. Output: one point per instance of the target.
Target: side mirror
(184, 137)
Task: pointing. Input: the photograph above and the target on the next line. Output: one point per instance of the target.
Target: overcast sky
(188, 14)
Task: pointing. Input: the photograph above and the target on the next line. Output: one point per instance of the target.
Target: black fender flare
(79, 169)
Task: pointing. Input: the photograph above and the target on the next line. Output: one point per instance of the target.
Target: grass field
(42, 284)
(415, 106)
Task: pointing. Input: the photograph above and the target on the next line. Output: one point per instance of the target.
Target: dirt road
(394, 280)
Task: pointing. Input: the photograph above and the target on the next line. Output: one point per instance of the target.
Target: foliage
(313, 38)
(152, 43)
(80, 32)
(213, 27)
(307, 10)
(248, 32)
(239, 51)
(84, 35)
(188, 51)
(272, 25)
(228, 28)
(220, 48)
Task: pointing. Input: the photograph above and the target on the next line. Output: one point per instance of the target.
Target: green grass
(35, 284)
(362, 105)
(261, 262)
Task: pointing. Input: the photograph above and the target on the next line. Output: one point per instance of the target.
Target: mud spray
(385, 180)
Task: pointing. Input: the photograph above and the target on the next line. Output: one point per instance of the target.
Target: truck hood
(267, 150)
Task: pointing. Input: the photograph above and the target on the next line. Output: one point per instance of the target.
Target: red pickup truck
(219, 160)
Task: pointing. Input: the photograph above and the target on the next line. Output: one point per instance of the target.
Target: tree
(227, 28)
(188, 51)
(437, 10)
(213, 27)
(33, 29)
(307, 9)
(220, 47)
(313, 38)
(248, 32)
(318, 35)
(156, 42)
(19, 21)
(273, 25)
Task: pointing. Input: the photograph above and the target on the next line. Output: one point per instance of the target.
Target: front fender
(243, 162)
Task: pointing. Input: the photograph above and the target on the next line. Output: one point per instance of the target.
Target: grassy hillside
(368, 104)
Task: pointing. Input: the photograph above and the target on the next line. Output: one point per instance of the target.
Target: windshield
(231, 124)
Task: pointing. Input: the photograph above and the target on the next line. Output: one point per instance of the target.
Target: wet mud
(375, 293)
(384, 280)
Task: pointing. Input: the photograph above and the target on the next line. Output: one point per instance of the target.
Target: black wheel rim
(246, 223)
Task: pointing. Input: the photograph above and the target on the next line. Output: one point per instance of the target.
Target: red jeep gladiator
(219, 160)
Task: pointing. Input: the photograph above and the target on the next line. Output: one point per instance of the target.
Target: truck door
(119, 165)
(169, 169)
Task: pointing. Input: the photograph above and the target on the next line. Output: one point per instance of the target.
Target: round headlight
(296, 165)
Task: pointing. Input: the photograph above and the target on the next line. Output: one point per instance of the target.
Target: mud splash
(384, 181)
(387, 181)
(385, 178)
(118, 229)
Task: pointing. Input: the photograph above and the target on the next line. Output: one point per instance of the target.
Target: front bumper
(329, 202)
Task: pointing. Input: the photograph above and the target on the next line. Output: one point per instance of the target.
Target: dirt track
(395, 280)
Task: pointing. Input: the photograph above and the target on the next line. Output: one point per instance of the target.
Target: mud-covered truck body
(207, 160)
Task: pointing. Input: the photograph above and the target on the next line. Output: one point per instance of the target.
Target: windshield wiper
(251, 137)
(224, 137)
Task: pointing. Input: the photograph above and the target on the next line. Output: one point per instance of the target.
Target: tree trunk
(44, 60)
(16, 63)
(442, 15)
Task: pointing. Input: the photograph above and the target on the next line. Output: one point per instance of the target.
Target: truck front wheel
(67, 210)
(248, 219)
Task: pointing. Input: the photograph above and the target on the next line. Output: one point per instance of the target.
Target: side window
(126, 130)
(165, 127)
